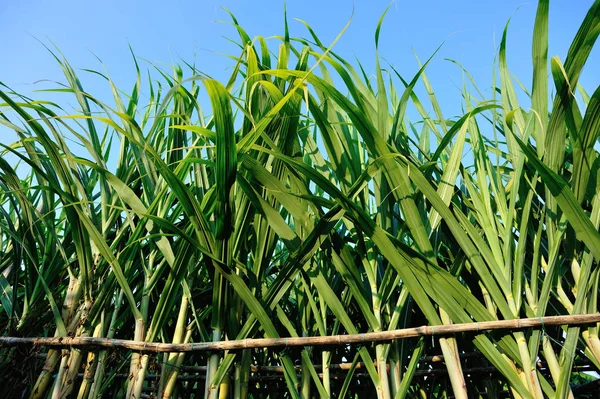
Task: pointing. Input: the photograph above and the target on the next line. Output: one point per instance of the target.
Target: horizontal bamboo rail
(333, 340)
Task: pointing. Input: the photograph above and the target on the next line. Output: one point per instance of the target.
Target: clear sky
(166, 31)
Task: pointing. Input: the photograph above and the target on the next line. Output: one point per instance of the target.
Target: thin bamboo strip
(341, 376)
(359, 366)
(91, 342)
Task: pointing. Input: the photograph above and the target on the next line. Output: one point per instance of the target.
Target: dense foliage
(299, 199)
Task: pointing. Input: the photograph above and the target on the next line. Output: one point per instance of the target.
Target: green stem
(533, 384)
(169, 373)
(212, 390)
(100, 368)
(170, 383)
(552, 362)
(139, 362)
(326, 360)
(43, 382)
(90, 366)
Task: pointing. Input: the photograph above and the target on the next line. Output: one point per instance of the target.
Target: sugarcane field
(305, 216)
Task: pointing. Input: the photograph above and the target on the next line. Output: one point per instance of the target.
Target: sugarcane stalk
(245, 373)
(593, 343)
(75, 354)
(304, 321)
(59, 376)
(304, 378)
(74, 291)
(170, 383)
(67, 384)
(590, 336)
(530, 374)
(395, 373)
(136, 367)
(224, 387)
(45, 378)
(383, 388)
(326, 360)
(212, 390)
(139, 361)
(521, 375)
(100, 368)
(168, 371)
(90, 365)
(237, 384)
(552, 361)
(452, 360)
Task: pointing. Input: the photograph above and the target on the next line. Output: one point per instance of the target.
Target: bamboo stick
(90, 342)
(361, 366)
(341, 376)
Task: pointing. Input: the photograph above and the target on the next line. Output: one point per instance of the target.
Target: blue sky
(164, 32)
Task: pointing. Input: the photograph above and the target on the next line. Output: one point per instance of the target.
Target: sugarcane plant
(298, 198)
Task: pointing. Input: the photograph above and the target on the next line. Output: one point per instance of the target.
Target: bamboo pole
(140, 346)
